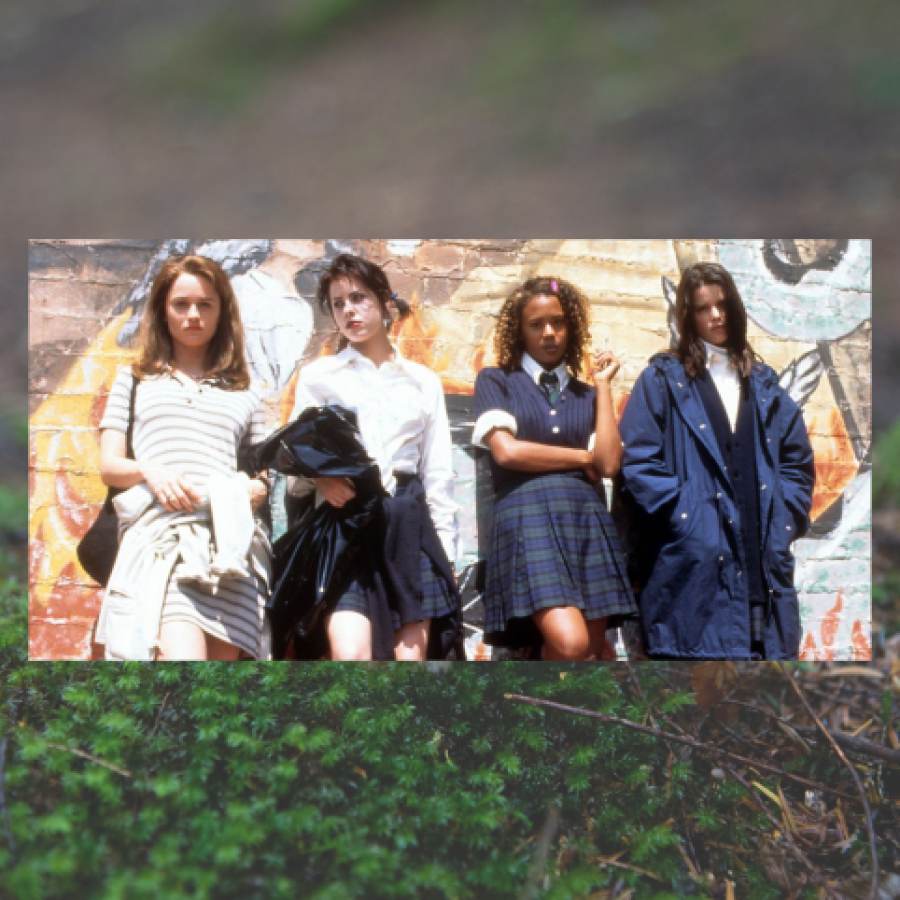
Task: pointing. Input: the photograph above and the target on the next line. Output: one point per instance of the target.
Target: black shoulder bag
(97, 549)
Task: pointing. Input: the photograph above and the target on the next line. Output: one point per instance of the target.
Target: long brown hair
(509, 345)
(225, 359)
(690, 349)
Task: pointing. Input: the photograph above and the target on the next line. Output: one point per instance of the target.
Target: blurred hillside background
(442, 118)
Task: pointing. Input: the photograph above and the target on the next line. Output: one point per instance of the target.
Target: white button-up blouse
(402, 418)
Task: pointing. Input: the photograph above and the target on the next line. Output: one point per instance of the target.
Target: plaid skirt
(553, 543)
(437, 600)
(369, 592)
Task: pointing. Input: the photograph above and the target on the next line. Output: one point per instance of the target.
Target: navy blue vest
(738, 449)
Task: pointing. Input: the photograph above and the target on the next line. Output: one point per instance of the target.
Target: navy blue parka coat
(695, 599)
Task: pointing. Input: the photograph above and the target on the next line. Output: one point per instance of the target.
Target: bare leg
(181, 641)
(565, 633)
(601, 649)
(218, 650)
(411, 641)
(350, 636)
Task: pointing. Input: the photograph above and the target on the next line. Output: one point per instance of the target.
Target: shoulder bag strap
(130, 448)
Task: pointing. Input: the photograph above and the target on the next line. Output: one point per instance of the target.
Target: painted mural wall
(810, 307)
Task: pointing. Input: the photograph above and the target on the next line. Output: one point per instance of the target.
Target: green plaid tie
(550, 384)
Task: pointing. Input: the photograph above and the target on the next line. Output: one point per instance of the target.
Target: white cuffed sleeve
(488, 421)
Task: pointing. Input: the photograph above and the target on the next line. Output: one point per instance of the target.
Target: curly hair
(225, 356)
(509, 344)
(689, 349)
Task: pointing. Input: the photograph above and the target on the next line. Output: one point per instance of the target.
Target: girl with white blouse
(408, 584)
(194, 408)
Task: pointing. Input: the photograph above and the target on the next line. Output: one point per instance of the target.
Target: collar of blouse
(535, 370)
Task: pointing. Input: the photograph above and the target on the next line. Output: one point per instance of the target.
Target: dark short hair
(369, 274)
(689, 349)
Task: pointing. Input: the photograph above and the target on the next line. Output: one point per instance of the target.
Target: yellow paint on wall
(65, 447)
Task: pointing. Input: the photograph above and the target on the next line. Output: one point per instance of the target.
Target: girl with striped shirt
(194, 408)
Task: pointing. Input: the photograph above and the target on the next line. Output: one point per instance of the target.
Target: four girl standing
(556, 574)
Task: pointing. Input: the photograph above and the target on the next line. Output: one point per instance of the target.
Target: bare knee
(411, 641)
(566, 637)
(350, 637)
(181, 642)
(349, 651)
(569, 646)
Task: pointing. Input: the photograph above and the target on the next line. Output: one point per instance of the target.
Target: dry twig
(541, 852)
(94, 759)
(785, 831)
(158, 717)
(678, 739)
(873, 886)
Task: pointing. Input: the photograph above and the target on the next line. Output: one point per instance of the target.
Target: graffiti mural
(810, 308)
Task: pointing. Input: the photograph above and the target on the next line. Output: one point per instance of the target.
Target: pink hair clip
(554, 286)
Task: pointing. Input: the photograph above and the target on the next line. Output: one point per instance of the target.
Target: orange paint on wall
(98, 406)
(417, 340)
(829, 628)
(70, 598)
(809, 652)
(862, 648)
(836, 464)
(74, 511)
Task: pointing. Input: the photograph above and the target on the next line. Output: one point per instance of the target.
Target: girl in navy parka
(719, 467)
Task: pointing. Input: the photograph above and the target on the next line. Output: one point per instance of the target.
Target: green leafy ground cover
(334, 781)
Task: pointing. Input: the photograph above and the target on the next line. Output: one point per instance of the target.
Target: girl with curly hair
(556, 573)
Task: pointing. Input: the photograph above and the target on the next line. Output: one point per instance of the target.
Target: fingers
(336, 491)
(605, 364)
(178, 496)
(258, 494)
(172, 489)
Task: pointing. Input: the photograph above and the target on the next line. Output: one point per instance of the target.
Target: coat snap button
(763, 487)
(552, 412)
(718, 496)
(684, 515)
(556, 429)
(788, 527)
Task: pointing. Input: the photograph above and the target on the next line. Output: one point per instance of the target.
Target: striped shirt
(197, 428)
